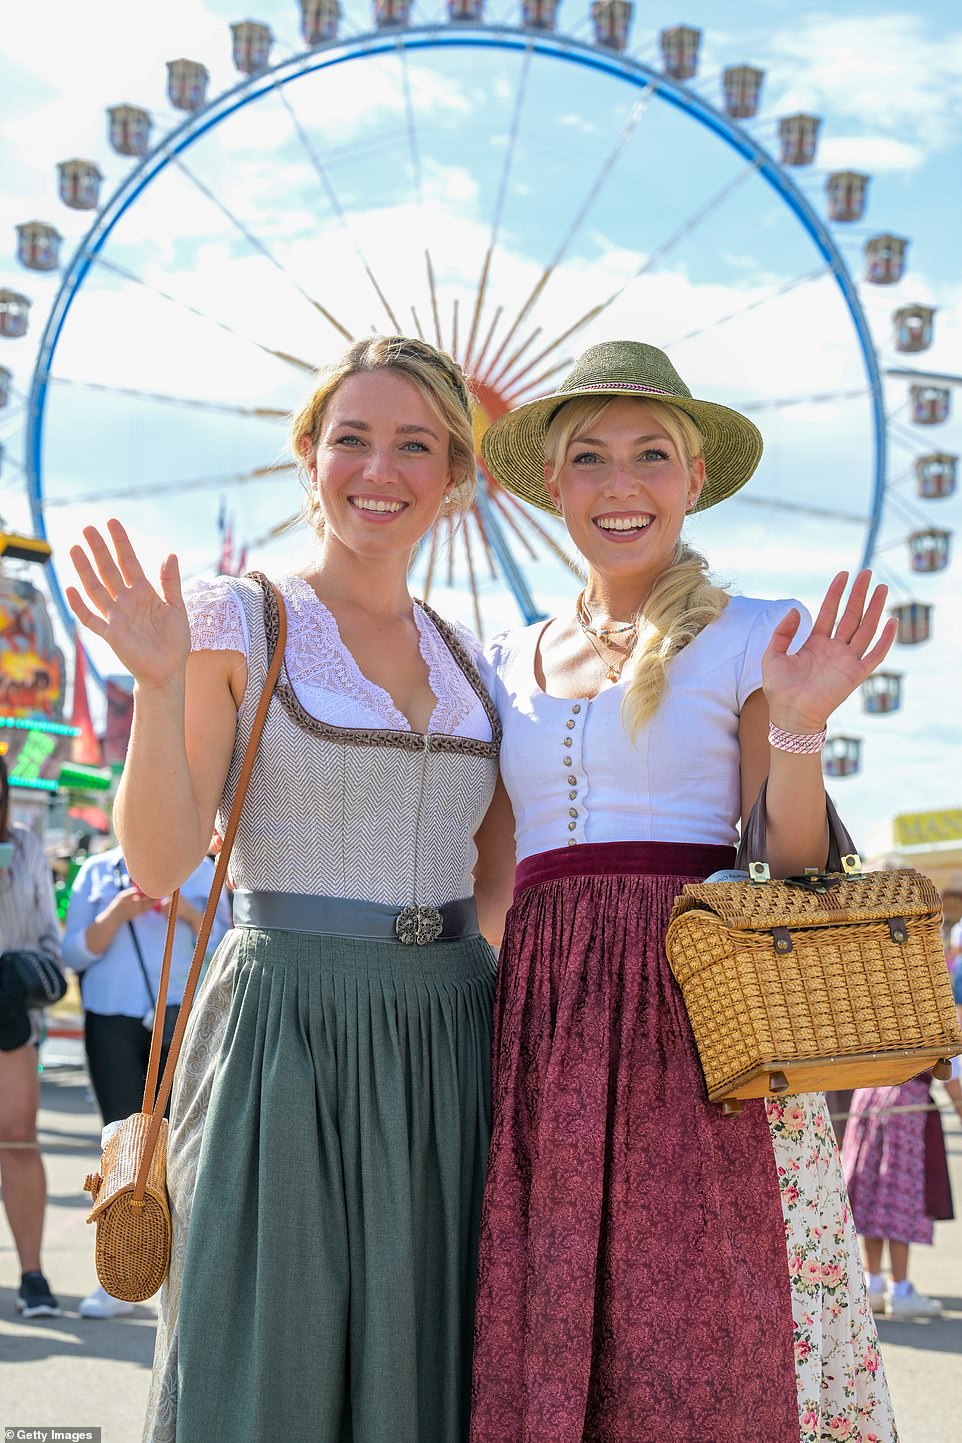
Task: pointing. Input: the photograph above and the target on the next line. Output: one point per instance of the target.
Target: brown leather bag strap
(160, 1007)
(156, 1107)
(753, 846)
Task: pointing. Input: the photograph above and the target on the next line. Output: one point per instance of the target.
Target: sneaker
(911, 1304)
(877, 1297)
(101, 1304)
(35, 1300)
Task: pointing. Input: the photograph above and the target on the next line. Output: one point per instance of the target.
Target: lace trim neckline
(439, 645)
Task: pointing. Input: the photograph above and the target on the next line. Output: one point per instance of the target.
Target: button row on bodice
(571, 758)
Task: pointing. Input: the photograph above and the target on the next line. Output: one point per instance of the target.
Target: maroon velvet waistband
(633, 859)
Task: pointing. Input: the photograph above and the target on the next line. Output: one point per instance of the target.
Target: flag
(84, 748)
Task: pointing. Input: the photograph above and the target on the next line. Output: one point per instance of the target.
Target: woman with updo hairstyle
(330, 1112)
(651, 1271)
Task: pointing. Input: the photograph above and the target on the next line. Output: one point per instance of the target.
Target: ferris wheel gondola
(497, 315)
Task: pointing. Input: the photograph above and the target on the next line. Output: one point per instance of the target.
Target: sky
(167, 359)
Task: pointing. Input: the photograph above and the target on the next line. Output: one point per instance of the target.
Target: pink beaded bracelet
(803, 744)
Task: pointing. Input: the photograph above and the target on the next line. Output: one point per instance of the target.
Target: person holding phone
(114, 941)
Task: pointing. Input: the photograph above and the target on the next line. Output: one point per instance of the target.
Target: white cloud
(896, 73)
(874, 154)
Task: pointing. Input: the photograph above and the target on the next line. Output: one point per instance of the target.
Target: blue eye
(419, 445)
(584, 457)
(343, 440)
(654, 454)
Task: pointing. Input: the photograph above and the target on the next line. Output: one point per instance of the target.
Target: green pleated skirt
(328, 1147)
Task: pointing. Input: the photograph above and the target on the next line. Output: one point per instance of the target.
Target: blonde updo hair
(440, 381)
(684, 599)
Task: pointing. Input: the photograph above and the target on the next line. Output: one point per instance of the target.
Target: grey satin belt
(345, 917)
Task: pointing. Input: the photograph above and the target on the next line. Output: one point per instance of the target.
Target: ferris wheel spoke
(902, 436)
(891, 579)
(774, 503)
(638, 110)
(781, 290)
(450, 545)
(269, 413)
(657, 255)
(519, 99)
(494, 381)
(432, 558)
(335, 203)
(541, 530)
(779, 403)
(512, 397)
(472, 579)
(904, 511)
(513, 575)
(497, 496)
(414, 152)
(485, 542)
(257, 543)
(170, 488)
(283, 356)
(512, 383)
(434, 297)
(257, 244)
(488, 338)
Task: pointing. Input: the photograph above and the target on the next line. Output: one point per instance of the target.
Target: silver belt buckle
(416, 926)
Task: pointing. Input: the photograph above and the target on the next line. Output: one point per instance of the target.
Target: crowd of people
(439, 1140)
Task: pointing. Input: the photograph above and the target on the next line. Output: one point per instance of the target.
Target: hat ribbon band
(628, 386)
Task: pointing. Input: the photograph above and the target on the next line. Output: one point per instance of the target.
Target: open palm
(803, 689)
(148, 631)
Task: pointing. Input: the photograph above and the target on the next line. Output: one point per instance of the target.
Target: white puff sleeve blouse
(573, 773)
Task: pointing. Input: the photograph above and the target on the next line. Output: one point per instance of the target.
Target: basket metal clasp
(758, 872)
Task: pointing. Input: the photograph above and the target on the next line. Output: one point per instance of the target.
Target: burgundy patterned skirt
(633, 1280)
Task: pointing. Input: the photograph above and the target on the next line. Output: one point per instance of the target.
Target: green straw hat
(513, 447)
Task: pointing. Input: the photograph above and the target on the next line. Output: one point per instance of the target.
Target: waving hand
(148, 631)
(804, 689)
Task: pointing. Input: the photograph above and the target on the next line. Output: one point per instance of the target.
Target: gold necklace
(613, 668)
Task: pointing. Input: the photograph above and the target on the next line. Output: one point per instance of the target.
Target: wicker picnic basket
(831, 980)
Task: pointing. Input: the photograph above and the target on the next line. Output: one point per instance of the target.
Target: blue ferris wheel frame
(412, 38)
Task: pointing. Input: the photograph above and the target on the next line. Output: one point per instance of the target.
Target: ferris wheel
(514, 194)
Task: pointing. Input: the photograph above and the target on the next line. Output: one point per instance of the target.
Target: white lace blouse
(326, 679)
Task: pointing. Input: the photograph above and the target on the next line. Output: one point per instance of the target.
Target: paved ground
(60, 1371)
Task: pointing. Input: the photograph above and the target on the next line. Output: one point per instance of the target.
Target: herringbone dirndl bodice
(381, 815)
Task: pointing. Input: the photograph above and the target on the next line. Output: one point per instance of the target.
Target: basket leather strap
(155, 1104)
(753, 846)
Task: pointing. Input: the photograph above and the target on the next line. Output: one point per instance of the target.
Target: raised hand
(804, 689)
(148, 631)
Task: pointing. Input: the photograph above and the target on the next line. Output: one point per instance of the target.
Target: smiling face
(380, 469)
(624, 485)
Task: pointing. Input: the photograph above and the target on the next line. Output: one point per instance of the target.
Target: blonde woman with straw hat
(634, 1280)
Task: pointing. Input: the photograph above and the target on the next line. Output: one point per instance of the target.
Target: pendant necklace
(629, 630)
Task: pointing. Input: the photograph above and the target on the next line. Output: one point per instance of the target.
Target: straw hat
(513, 447)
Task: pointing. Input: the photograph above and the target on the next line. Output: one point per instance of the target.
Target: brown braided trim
(463, 658)
(383, 737)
